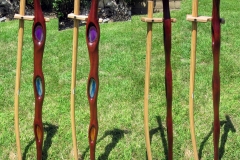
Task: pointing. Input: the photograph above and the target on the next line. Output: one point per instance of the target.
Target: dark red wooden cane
(168, 74)
(39, 36)
(92, 37)
(216, 28)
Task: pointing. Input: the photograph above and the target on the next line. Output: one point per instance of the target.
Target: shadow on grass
(228, 126)
(50, 130)
(162, 135)
(116, 135)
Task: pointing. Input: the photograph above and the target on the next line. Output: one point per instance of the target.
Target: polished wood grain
(93, 50)
(167, 27)
(38, 73)
(216, 29)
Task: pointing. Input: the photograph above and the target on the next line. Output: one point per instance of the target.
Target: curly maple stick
(18, 77)
(216, 29)
(147, 79)
(73, 83)
(92, 38)
(39, 37)
(192, 76)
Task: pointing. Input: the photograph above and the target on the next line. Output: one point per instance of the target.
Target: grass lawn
(122, 52)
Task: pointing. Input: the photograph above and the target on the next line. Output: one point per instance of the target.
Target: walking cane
(194, 18)
(168, 74)
(38, 37)
(18, 77)
(92, 38)
(216, 31)
(73, 83)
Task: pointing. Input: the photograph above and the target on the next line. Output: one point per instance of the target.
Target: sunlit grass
(122, 52)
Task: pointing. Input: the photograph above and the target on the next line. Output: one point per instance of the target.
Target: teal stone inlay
(92, 34)
(92, 87)
(38, 83)
(39, 33)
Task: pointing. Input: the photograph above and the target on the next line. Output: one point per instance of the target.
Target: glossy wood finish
(18, 77)
(216, 29)
(168, 74)
(92, 38)
(39, 43)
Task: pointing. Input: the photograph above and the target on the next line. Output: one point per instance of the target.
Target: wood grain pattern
(216, 29)
(92, 38)
(168, 74)
(39, 37)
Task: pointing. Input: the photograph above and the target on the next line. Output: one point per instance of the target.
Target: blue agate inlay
(92, 87)
(38, 32)
(38, 83)
(92, 34)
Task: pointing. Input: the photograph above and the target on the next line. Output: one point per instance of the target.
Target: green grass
(122, 52)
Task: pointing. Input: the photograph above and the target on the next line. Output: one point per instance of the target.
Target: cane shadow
(50, 130)
(160, 129)
(116, 135)
(227, 127)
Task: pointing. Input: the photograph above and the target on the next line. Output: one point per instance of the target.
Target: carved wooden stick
(18, 77)
(92, 38)
(216, 29)
(39, 37)
(168, 74)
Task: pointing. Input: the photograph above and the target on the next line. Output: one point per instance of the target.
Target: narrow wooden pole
(147, 79)
(73, 83)
(192, 76)
(18, 77)
(216, 36)
(92, 39)
(167, 29)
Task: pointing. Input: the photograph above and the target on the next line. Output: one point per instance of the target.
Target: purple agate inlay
(92, 34)
(39, 33)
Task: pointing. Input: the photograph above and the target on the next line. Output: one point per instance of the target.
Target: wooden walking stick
(216, 30)
(168, 73)
(39, 38)
(38, 34)
(18, 76)
(92, 38)
(93, 46)
(192, 76)
(147, 79)
(216, 79)
(73, 83)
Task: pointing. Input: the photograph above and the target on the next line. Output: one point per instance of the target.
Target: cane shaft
(192, 77)
(18, 77)
(168, 74)
(39, 38)
(216, 29)
(73, 83)
(147, 79)
(92, 39)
